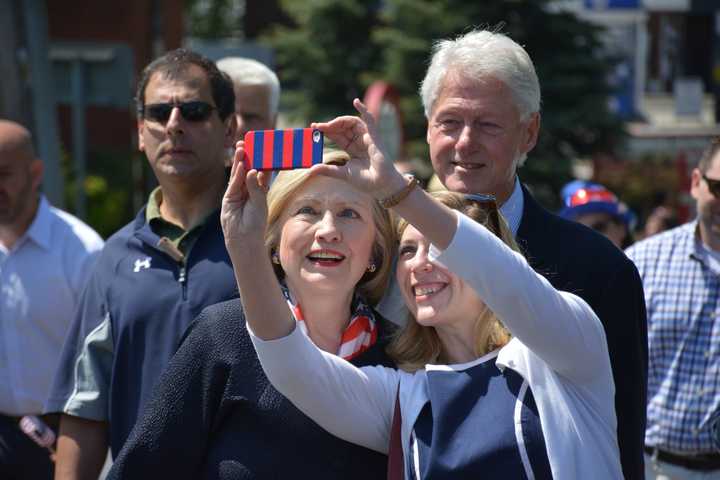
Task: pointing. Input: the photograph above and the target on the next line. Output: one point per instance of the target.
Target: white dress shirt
(41, 278)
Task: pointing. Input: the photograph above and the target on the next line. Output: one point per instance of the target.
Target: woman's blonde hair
(416, 345)
(287, 183)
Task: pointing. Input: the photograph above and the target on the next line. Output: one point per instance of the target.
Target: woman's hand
(244, 207)
(369, 169)
(244, 218)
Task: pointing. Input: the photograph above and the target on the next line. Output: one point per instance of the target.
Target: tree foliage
(211, 19)
(324, 60)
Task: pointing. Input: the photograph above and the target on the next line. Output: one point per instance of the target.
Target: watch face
(390, 129)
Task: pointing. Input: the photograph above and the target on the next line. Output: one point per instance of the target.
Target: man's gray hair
(480, 54)
(247, 72)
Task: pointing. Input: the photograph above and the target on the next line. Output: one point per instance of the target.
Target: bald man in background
(45, 258)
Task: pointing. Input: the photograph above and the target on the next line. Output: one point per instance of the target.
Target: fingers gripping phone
(284, 149)
(38, 431)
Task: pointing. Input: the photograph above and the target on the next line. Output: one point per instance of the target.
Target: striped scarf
(360, 334)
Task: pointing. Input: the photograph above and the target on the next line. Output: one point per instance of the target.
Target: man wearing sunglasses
(157, 273)
(481, 97)
(680, 269)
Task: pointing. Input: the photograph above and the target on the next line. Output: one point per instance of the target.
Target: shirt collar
(40, 228)
(513, 207)
(152, 211)
(695, 248)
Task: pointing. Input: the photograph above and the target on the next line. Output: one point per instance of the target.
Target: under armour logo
(141, 264)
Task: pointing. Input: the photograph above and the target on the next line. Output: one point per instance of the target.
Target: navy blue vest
(468, 427)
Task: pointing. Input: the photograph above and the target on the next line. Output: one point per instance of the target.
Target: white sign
(688, 94)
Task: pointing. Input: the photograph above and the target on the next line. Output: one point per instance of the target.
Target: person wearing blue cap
(596, 207)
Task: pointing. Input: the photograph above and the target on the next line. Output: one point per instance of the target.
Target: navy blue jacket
(147, 300)
(215, 415)
(577, 259)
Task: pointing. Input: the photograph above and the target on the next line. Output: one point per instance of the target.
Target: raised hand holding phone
(244, 207)
(369, 169)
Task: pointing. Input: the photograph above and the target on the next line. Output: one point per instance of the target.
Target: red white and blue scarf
(360, 334)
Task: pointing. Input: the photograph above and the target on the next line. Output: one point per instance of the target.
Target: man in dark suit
(482, 100)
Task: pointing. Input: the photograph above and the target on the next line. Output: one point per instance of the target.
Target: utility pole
(11, 87)
(43, 98)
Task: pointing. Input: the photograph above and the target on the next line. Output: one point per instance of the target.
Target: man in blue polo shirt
(155, 274)
(680, 269)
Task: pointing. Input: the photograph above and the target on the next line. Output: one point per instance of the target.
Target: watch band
(400, 195)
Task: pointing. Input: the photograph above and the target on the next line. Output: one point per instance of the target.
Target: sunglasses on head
(713, 185)
(489, 204)
(196, 111)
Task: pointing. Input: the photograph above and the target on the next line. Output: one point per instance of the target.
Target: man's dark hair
(174, 64)
(706, 159)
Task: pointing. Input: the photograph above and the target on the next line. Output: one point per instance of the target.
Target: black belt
(702, 462)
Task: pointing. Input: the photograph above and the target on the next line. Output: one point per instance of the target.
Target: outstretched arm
(244, 218)
(355, 404)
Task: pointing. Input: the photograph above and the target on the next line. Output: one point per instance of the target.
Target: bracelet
(399, 196)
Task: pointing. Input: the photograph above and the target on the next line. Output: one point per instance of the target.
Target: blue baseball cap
(581, 197)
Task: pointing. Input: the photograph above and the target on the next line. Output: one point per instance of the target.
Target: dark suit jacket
(576, 259)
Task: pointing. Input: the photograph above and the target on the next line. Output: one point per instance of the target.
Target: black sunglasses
(196, 111)
(489, 204)
(713, 185)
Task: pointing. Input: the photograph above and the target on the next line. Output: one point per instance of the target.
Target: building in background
(667, 89)
(75, 63)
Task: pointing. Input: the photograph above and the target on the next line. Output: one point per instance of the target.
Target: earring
(371, 268)
(275, 258)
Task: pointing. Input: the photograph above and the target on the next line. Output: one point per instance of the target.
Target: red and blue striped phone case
(284, 149)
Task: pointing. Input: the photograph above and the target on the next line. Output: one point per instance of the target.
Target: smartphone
(38, 431)
(284, 149)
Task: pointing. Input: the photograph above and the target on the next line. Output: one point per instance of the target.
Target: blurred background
(631, 88)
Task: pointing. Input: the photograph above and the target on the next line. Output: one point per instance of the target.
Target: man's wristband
(400, 195)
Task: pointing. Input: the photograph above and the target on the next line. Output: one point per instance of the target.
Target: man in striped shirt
(680, 269)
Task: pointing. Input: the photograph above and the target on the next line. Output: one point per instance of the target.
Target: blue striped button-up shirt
(682, 292)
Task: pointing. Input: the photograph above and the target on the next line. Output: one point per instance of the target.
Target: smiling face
(326, 238)
(476, 136)
(180, 149)
(435, 296)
